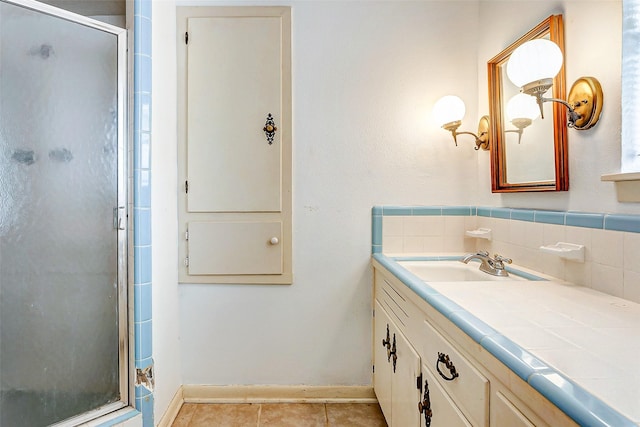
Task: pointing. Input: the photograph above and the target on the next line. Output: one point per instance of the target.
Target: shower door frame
(121, 211)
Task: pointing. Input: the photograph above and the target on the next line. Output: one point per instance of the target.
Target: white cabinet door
(235, 247)
(444, 412)
(382, 366)
(395, 379)
(406, 394)
(234, 82)
(234, 75)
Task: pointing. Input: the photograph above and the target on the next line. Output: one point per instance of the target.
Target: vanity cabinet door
(396, 372)
(406, 393)
(382, 369)
(444, 412)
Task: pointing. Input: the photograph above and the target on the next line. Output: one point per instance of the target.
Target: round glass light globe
(522, 106)
(448, 109)
(534, 60)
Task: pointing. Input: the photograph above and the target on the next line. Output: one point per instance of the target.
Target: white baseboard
(277, 393)
(171, 413)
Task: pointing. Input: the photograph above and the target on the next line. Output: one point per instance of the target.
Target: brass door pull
(425, 405)
(387, 343)
(394, 353)
(270, 129)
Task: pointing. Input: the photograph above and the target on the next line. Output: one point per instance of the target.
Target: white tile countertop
(577, 336)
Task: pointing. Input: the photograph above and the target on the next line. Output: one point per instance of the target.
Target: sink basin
(453, 271)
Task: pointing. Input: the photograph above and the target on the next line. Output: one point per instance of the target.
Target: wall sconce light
(448, 113)
(521, 111)
(532, 67)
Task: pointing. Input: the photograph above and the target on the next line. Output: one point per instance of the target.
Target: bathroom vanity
(471, 351)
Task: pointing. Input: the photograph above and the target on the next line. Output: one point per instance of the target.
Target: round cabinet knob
(274, 241)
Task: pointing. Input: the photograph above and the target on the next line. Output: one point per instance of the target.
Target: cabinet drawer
(506, 414)
(444, 412)
(469, 389)
(396, 305)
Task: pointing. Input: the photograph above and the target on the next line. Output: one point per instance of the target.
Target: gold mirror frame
(553, 28)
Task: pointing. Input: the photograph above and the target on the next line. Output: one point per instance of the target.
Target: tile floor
(280, 415)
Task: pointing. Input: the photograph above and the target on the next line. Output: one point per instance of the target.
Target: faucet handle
(483, 253)
(500, 258)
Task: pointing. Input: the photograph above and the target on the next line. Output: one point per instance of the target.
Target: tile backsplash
(612, 242)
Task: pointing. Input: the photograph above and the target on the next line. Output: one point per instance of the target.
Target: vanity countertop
(578, 347)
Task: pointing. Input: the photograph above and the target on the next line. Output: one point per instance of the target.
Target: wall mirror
(528, 155)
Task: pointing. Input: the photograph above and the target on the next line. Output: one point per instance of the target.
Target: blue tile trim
(427, 210)
(145, 405)
(484, 212)
(456, 210)
(617, 222)
(395, 210)
(142, 264)
(522, 215)
(587, 220)
(503, 213)
(577, 403)
(120, 419)
(376, 230)
(550, 217)
(629, 223)
(520, 361)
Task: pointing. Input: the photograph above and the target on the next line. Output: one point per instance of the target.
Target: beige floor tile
(184, 415)
(293, 415)
(232, 415)
(355, 415)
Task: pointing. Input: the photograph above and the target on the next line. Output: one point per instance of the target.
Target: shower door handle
(118, 223)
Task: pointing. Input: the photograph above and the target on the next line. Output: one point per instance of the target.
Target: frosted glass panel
(58, 248)
(631, 86)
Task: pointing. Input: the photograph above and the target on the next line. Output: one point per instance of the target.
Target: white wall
(166, 349)
(365, 75)
(593, 34)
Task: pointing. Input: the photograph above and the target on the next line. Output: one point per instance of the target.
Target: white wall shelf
(627, 185)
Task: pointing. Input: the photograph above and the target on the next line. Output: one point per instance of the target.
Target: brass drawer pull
(443, 358)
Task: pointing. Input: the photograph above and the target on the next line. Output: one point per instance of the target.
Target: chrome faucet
(493, 266)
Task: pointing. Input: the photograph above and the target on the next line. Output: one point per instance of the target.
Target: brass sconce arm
(481, 139)
(572, 115)
(584, 101)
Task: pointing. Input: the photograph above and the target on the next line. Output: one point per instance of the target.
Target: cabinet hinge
(186, 262)
(373, 368)
(186, 187)
(186, 38)
(419, 382)
(186, 235)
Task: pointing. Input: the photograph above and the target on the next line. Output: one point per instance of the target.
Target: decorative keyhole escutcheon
(270, 129)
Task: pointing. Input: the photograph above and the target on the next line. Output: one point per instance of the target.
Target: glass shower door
(63, 329)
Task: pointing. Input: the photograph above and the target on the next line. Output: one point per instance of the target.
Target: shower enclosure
(63, 217)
